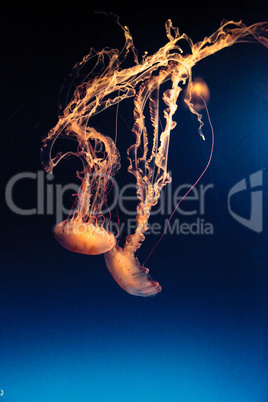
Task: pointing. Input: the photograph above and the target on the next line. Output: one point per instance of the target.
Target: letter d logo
(255, 220)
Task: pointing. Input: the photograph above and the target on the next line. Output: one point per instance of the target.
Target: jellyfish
(109, 83)
(199, 92)
(84, 232)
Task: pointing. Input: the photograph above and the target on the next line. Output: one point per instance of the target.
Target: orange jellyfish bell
(129, 274)
(84, 237)
(199, 92)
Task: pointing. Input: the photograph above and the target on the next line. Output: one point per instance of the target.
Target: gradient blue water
(71, 339)
(67, 331)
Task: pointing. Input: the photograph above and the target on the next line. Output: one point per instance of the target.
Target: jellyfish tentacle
(148, 186)
(106, 84)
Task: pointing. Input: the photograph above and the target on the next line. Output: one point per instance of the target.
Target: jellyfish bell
(126, 270)
(84, 237)
(199, 92)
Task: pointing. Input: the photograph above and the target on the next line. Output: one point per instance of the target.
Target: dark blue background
(67, 331)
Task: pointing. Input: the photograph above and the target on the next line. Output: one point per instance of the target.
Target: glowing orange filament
(108, 84)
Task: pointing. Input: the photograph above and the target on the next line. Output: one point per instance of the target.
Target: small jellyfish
(199, 92)
(106, 84)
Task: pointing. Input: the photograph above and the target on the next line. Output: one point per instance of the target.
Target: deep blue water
(70, 333)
